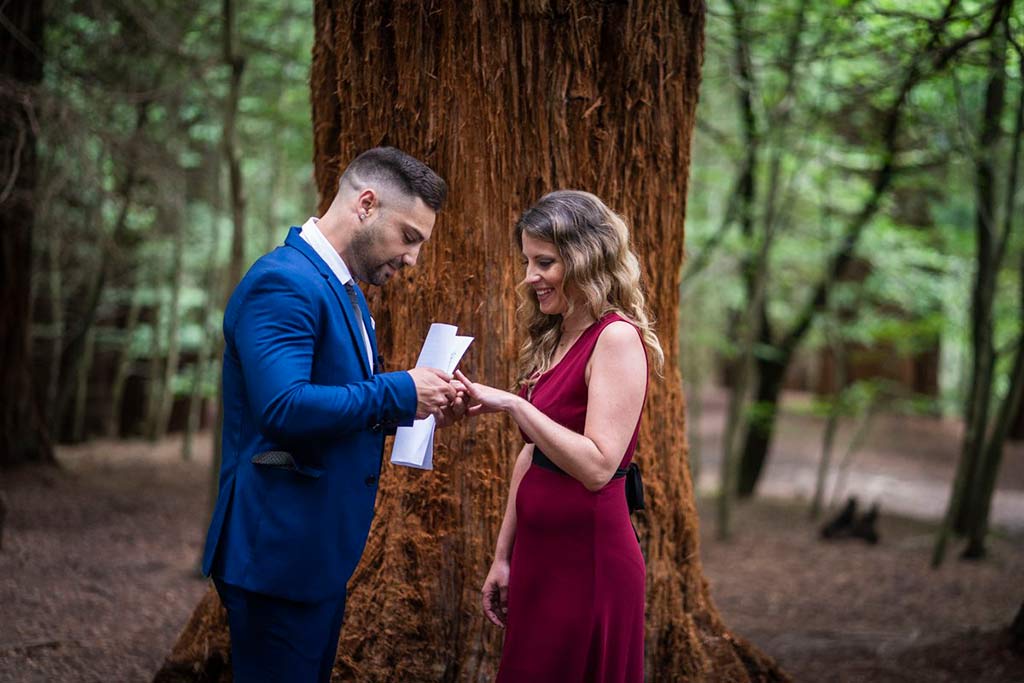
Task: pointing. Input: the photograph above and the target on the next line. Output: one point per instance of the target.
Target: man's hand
(434, 391)
(457, 409)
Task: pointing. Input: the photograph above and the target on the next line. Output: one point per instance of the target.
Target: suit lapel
(295, 241)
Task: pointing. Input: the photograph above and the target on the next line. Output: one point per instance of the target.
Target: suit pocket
(284, 460)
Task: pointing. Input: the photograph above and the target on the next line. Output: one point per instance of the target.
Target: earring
(362, 216)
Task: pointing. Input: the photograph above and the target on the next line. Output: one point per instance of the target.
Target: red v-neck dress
(576, 583)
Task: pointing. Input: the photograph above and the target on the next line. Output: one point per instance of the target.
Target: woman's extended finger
(470, 387)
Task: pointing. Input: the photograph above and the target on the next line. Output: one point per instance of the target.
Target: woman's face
(545, 273)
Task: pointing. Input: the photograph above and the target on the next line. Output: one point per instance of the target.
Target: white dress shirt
(311, 233)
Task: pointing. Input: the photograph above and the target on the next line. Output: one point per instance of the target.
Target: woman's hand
(495, 593)
(485, 399)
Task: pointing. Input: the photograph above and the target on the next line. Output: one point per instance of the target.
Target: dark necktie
(354, 298)
(350, 289)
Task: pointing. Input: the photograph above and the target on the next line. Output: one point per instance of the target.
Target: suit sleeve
(275, 334)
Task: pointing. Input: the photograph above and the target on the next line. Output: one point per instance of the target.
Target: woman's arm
(616, 386)
(495, 590)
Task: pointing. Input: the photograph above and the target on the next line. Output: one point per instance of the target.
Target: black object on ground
(864, 528)
(841, 524)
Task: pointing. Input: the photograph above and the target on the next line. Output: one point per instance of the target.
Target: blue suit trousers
(274, 640)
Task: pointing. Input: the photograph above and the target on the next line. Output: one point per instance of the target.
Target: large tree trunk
(23, 433)
(509, 101)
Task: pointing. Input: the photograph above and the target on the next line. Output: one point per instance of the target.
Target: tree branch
(938, 57)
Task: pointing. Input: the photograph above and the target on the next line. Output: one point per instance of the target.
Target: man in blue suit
(306, 409)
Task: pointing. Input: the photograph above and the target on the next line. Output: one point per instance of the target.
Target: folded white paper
(442, 349)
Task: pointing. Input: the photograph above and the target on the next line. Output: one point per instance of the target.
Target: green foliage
(130, 133)
(907, 291)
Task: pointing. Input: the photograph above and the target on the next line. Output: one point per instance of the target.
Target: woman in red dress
(567, 581)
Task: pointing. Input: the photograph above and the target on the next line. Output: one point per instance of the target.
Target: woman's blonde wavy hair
(593, 241)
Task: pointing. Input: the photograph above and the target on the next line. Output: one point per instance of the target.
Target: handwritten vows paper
(442, 349)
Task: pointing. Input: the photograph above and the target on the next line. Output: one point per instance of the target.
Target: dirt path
(906, 463)
(847, 611)
(98, 568)
(97, 577)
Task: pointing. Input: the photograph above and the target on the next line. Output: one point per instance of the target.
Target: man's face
(390, 239)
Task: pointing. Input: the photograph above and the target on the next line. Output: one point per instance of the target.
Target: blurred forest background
(855, 266)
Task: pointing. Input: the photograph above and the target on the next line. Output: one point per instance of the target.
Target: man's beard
(382, 273)
(364, 265)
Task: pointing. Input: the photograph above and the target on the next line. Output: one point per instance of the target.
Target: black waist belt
(634, 483)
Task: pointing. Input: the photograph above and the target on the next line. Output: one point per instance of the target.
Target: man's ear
(366, 203)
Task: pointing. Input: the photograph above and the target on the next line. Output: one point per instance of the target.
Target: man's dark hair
(395, 168)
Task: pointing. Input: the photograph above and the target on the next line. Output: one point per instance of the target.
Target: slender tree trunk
(976, 413)
(987, 468)
(272, 229)
(123, 365)
(56, 296)
(167, 395)
(72, 353)
(23, 434)
(860, 434)
(1017, 630)
(835, 411)
(753, 266)
(509, 102)
(83, 370)
(229, 148)
(760, 429)
(1017, 422)
(991, 459)
(989, 252)
(754, 326)
(1017, 426)
(157, 361)
(837, 343)
(207, 342)
(236, 64)
(196, 399)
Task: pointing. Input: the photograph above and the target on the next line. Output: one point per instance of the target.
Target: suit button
(371, 480)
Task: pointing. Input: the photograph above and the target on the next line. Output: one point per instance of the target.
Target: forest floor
(98, 562)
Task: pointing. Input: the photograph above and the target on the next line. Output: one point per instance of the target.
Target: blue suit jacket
(297, 378)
